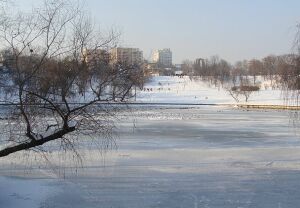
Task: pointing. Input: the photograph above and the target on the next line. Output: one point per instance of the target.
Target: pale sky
(233, 29)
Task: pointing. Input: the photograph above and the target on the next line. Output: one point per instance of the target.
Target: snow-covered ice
(175, 157)
(25, 193)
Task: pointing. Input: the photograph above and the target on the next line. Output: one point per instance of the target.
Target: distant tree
(269, 66)
(48, 77)
(255, 69)
(187, 67)
(217, 70)
(224, 70)
(239, 70)
(291, 78)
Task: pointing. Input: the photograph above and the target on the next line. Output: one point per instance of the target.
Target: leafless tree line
(282, 72)
(271, 67)
(55, 91)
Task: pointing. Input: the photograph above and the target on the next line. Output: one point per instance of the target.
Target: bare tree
(234, 93)
(187, 67)
(57, 92)
(244, 89)
(255, 69)
(290, 78)
(269, 65)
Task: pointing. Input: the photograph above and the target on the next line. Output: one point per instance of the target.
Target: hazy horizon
(235, 30)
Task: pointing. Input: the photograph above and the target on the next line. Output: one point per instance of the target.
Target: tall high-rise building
(126, 55)
(163, 57)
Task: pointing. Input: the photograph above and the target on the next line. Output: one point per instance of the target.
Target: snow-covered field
(168, 89)
(214, 157)
(173, 89)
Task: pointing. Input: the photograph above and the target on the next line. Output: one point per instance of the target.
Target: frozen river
(204, 157)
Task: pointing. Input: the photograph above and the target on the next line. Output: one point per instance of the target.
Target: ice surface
(174, 157)
(25, 193)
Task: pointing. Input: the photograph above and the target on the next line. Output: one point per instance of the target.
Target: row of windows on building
(162, 58)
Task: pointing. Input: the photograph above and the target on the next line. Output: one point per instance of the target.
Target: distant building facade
(200, 63)
(96, 56)
(162, 57)
(200, 67)
(128, 56)
(7, 57)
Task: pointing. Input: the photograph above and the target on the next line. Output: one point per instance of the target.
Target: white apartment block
(126, 55)
(95, 56)
(163, 57)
